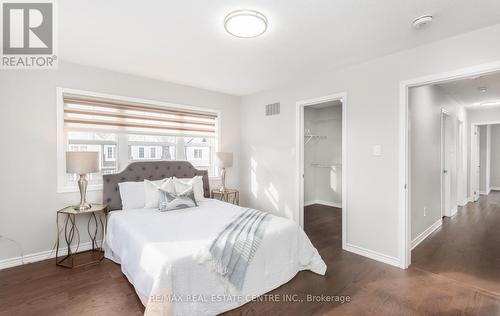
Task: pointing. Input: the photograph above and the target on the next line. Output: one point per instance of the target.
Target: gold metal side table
(96, 221)
(229, 195)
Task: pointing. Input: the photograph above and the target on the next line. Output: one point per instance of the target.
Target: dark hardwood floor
(456, 271)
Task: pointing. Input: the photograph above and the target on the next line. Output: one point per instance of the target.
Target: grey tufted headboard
(151, 170)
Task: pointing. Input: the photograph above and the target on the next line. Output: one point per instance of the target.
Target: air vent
(273, 109)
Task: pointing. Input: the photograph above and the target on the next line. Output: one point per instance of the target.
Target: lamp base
(223, 180)
(82, 185)
(82, 207)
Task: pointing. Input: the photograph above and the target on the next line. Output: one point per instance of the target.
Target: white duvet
(158, 253)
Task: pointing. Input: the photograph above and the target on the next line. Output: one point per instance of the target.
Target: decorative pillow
(132, 195)
(152, 193)
(170, 201)
(195, 183)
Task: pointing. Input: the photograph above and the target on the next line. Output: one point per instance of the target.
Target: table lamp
(224, 160)
(82, 163)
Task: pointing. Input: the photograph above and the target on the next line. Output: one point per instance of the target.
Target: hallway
(466, 249)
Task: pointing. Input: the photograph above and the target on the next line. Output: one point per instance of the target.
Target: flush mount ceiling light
(245, 23)
(482, 89)
(422, 21)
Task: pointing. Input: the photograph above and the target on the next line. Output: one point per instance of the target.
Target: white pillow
(151, 193)
(132, 194)
(196, 183)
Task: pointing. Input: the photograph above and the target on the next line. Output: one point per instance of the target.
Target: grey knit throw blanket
(234, 247)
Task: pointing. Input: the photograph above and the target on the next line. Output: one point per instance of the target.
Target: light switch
(377, 150)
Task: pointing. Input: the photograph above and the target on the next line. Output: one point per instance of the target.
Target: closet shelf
(308, 137)
(325, 165)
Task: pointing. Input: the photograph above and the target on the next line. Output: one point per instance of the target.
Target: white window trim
(61, 153)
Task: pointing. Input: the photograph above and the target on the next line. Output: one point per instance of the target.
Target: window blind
(84, 113)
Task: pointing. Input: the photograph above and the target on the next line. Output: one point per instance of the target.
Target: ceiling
(185, 41)
(466, 91)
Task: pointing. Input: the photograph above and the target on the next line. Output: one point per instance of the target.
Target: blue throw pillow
(170, 201)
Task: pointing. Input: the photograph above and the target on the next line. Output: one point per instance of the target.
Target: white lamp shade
(224, 159)
(82, 162)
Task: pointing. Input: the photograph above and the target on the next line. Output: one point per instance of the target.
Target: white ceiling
(185, 42)
(466, 91)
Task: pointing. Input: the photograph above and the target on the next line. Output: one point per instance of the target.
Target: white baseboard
(464, 202)
(495, 188)
(484, 192)
(323, 202)
(40, 256)
(393, 261)
(415, 242)
(454, 211)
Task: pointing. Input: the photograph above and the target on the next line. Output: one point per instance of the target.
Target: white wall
(28, 198)
(425, 106)
(488, 158)
(462, 154)
(321, 184)
(495, 157)
(484, 158)
(309, 156)
(269, 153)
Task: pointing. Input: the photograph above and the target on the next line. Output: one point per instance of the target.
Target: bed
(159, 251)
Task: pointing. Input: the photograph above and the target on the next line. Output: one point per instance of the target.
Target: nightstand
(95, 223)
(229, 196)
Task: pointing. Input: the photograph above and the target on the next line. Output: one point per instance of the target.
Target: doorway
(449, 170)
(469, 171)
(321, 163)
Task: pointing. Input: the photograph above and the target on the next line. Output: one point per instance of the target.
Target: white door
(477, 165)
(447, 152)
(461, 182)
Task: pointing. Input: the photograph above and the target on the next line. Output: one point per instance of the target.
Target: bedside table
(96, 253)
(229, 195)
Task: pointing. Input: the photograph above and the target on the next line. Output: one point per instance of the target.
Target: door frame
(300, 105)
(444, 116)
(475, 160)
(404, 220)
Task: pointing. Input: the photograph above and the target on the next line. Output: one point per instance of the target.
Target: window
(103, 143)
(110, 153)
(124, 131)
(200, 151)
(197, 153)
